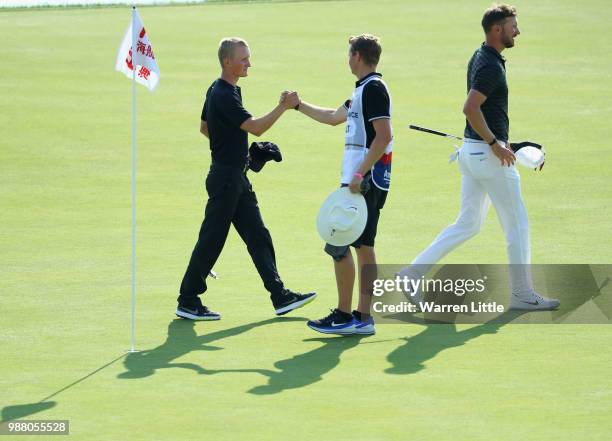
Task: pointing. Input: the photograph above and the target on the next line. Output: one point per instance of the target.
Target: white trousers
(485, 180)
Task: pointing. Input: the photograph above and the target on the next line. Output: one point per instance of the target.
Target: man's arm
(324, 115)
(474, 115)
(383, 137)
(258, 126)
(204, 128)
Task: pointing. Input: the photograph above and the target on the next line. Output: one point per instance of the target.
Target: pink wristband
(359, 175)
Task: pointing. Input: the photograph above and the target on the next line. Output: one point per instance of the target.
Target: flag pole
(134, 33)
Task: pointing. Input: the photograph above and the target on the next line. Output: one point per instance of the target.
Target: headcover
(529, 154)
(516, 146)
(262, 152)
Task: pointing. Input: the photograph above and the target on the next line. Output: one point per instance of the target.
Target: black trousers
(231, 200)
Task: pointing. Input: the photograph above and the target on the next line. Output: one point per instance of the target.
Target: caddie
(366, 168)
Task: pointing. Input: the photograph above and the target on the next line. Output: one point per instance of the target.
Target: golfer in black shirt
(488, 174)
(231, 199)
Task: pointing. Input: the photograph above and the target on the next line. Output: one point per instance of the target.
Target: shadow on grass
(410, 358)
(303, 369)
(292, 373)
(182, 339)
(19, 411)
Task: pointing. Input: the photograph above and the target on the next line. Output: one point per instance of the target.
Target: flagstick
(134, 31)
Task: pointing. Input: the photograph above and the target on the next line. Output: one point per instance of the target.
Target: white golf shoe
(532, 301)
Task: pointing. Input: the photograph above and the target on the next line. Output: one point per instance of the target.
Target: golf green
(65, 236)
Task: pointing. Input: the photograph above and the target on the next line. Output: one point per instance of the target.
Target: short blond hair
(227, 46)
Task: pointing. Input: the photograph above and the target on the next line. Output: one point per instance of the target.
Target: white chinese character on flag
(147, 71)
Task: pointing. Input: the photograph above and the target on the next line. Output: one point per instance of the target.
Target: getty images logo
(458, 287)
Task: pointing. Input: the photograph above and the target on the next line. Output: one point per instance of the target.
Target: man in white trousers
(487, 167)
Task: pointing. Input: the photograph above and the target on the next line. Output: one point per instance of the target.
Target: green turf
(65, 228)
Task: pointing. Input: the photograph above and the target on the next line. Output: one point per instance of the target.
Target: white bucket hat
(342, 217)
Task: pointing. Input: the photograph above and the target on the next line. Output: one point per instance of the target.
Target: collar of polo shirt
(494, 52)
(225, 83)
(361, 81)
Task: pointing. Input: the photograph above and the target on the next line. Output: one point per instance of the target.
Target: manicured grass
(66, 228)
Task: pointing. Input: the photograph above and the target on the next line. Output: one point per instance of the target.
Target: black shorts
(375, 200)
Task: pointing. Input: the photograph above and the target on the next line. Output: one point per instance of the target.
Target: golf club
(514, 146)
(434, 132)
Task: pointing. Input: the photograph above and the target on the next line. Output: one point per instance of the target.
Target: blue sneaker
(363, 326)
(337, 322)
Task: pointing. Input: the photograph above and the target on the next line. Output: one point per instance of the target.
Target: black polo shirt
(487, 74)
(224, 114)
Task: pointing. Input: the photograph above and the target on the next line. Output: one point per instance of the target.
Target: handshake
(289, 99)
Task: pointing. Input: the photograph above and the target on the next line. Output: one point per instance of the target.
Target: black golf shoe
(199, 312)
(289, 300)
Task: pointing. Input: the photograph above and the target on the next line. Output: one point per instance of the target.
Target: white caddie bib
(355, 142)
